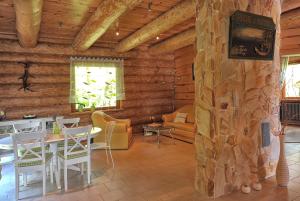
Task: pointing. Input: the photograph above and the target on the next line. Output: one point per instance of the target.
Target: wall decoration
(251, 36)
(25, 85)
(193, 71)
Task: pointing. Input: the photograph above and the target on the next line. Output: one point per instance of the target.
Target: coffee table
(158, 128)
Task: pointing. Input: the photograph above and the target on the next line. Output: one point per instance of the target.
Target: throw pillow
(180, 117)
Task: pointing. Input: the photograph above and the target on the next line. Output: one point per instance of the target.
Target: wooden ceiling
(290, 27)
(62, 20)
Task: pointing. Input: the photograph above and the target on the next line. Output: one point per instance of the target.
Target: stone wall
(233, 97)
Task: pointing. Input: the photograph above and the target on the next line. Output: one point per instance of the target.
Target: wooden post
(176, 42)
(177, 15)
(106, 14)
(28, 20)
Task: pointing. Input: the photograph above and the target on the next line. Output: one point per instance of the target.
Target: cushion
(180, 117)
(190, 110)
(37, 162)
(73, 156)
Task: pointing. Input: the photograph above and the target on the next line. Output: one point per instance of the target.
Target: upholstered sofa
(183, 131)
(122, 134)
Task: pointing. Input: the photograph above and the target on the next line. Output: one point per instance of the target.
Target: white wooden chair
(79, 153)
(107, 143)
(28, 127)
(66, 123)
(30, 160)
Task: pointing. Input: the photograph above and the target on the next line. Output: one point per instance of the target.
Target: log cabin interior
(116, 100)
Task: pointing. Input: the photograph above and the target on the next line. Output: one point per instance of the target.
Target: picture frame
(251, 36)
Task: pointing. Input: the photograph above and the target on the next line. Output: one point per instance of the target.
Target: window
(96, 83)
(292, 81)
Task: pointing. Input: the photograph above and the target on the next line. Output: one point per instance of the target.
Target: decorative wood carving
(106, 14)
(176, 15)
(25, 85)
(28, 20)
(178, 41)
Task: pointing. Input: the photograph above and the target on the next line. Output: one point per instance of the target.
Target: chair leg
(106, 155)
(51, 171)
(82, 168)
(44, 180)
(24, 179)
(17, 183)
(66, 176)
(89, 171)
(112, 160)
(58, 171)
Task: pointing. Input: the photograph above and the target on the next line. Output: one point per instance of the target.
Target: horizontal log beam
(290, 41)
(181, 12)
(11, 46)
(106, 14)
(178, 41)
(290, 32)
(290, 19)
(28, 20)
(290, 5)
(53, 49)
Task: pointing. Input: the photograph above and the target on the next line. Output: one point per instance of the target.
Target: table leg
(53, 149)
(170, 133)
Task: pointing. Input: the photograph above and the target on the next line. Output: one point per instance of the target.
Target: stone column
(233, 97)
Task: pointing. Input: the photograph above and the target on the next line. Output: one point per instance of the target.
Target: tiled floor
(147, 173)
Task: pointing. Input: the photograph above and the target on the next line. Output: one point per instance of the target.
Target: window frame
(118, 105)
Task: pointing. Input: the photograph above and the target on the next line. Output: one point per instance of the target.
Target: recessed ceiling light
(157, 37)
(150, 6)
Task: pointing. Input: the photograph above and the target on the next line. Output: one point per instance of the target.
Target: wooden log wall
(184, 83)
(149, 83)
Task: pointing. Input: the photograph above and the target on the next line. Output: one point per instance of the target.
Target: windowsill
(291, 99)
(104, 110)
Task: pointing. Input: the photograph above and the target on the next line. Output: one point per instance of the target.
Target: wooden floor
(147, 173)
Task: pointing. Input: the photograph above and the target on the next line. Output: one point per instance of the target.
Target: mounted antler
(25, 85)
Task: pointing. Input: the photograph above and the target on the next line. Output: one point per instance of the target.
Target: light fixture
(157, 37)
(117, 29)
(150, 6)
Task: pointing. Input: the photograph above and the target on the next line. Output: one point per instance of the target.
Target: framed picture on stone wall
(251, 36)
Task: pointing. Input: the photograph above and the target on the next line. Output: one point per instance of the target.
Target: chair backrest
(110, 126)
(27, 141)
(77, 135)
(68, 123)
(28, 127)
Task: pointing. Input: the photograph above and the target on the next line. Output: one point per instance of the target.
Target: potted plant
(93, 107)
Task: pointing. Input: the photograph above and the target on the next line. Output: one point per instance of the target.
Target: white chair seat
(73, 154)
(48, 157)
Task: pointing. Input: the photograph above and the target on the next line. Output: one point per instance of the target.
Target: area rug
(292, 134)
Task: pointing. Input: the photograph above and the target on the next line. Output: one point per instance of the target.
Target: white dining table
(53, 140)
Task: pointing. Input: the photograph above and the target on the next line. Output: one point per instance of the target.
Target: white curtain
(77, 62)
(284, 65)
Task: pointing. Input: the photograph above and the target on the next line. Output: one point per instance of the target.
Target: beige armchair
(122, 134)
